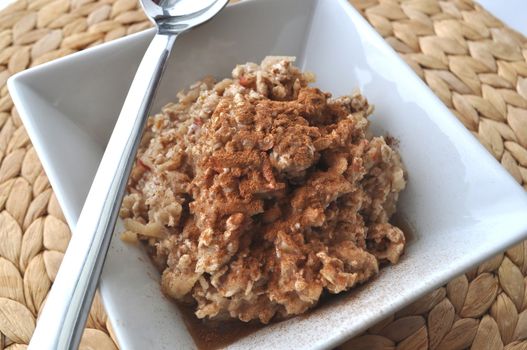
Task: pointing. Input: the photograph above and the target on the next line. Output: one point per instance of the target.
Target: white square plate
(462, 205)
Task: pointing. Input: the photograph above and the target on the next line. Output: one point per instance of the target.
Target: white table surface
(4, 3)
(512, 12)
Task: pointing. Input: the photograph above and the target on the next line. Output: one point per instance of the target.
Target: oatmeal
(258, 193)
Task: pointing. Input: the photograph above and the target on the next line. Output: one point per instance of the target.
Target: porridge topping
(257, 194)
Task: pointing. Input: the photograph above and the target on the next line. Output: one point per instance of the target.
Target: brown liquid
(212, 335)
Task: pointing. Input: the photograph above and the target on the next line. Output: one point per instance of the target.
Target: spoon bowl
(174, 16)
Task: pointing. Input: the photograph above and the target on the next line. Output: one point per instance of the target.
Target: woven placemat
(474, 64)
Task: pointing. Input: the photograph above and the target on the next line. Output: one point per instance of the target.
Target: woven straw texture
(468, 58)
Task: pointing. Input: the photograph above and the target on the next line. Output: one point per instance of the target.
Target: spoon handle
(62, 321)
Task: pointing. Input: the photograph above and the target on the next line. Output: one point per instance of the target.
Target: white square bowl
(462, 205)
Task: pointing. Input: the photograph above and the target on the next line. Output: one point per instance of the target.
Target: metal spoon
(62, 321)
